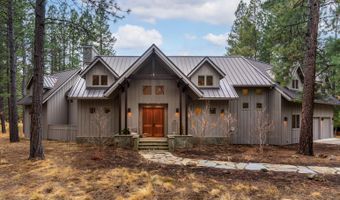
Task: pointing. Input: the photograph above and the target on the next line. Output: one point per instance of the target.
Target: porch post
(126, 100)
(120, 109)
(186, 113)
(180, 110)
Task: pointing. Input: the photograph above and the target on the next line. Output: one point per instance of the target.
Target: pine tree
(13, 111)
(306, 131)
(105, 39)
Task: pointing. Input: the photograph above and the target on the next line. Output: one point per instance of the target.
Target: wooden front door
(153, 122)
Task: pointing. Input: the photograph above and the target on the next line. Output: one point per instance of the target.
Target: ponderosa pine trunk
(2, 115)
(306, 132)
(36, 147)
(24, 79)
(13, 115)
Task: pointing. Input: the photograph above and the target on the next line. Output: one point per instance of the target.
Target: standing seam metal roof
(238, 72)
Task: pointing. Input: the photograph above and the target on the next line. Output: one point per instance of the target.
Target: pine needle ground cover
(73, 171)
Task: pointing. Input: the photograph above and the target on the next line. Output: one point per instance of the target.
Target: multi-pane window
(295, 121)
(201, 80)
(259, 105)
(103, 79)
(295, 84)
(258, 91)
(159, 90)
(212, 111)
(245, 92)
(95, 80)
(147, 90)
(209, 80)
(245, 105)
(92, 110)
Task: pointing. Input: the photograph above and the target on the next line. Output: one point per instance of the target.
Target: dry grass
(325, 154)
(69, 172)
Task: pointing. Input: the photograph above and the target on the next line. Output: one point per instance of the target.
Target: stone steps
(153, 144)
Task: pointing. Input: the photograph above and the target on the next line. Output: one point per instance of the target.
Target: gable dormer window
(295, 84)
(103, 79)
(210, 81)
(95, 80)
(201, 80)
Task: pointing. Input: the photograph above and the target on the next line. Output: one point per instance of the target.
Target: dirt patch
(325, 154)
(73, 171)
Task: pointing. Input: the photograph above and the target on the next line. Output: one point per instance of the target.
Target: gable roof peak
(205, 60)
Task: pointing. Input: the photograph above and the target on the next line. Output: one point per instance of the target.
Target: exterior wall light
(129, 113)
(177, 112)
(222, 112)
(285, 121)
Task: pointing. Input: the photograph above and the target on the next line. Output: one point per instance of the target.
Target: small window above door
(159, 90)
(147, 90)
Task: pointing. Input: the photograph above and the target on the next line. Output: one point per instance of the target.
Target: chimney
(89, 52)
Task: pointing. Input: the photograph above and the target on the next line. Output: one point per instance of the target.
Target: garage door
(316, 128)
(326, 130)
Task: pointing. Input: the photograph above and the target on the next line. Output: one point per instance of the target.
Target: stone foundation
(211, 140)
(179, 142)
(121, 141)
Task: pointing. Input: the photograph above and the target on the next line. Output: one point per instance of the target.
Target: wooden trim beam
(180, 111)
(119, 110)
(186, 114)
(126, 107)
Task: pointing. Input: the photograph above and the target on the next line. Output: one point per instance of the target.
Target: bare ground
(325, 154)
(73, 171)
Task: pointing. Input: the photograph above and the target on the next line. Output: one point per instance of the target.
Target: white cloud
(209, 11)
(218, 40)
(137, 37)
(190, 36)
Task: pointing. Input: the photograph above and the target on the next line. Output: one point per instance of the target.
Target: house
(152, 95)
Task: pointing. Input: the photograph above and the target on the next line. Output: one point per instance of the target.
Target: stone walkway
(329, 141)
(170, 159)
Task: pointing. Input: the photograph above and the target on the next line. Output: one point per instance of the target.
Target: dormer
(206, 74)
(296, 81)
(99, 74)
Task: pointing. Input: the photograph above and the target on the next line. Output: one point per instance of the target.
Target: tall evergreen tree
(105, 39)
(306, 132)
(13, 111)
(245, 36)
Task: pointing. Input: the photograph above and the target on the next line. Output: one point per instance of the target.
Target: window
(259, 105)
(295, 84)
(198, 111)
(295, 121)
(245, 105)
(95, 80)
(159, 90)
(209, 80)
(103, 79)
(258, 91)
(245, 92)
(212, 111)
(92, 110)
(201, 81)
(147, 90)
(107, 110)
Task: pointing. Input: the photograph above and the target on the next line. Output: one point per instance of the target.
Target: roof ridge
(257, 70)
(252, 59)
(63, 71)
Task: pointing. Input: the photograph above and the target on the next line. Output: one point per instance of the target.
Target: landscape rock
(295, 156)
(331, 157)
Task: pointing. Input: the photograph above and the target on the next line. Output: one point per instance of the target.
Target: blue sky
(178, 27)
